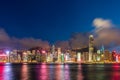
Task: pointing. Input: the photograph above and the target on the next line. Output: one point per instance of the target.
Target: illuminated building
(38, 56)
(48, 59)
(78, 57)
(59, 54)
(102, 49)
(25, 56)
(19, 58)
(54, 53)
(13, 57)
(85, 56)
(98, 57)
(43, 56)
(3, 56)
(33, 56)
(53, 49)
(117, 58)
(110, 57)
(106, 55)
(51, 57)
(67, 56)
(62, 57)
(91, 47)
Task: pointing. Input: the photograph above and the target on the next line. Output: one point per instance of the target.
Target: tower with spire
(91, 47)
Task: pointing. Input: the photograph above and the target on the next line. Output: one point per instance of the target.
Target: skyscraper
(59, 54)
(91, 47)
(53, 49)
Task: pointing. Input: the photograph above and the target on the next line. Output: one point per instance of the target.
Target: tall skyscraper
(53, 49)
(59, 54)
(102, 49)
(54, 53)
(91, 47)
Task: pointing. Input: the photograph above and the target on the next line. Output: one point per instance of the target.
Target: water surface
(59, 72)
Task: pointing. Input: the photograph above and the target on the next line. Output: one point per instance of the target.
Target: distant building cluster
(56, 55)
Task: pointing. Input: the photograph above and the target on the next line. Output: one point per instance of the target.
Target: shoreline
(52, 63)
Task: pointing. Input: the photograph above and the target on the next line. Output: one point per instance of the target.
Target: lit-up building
(4, 55)
(54, 53)
(53, 49)
(13, 57)
(115, 56)
(91, 47)
(62, 57)
(59, 54)
(78, 57)
(67, 56)
(98, 57)
(25, 56)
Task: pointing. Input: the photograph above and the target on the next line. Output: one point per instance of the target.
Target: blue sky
(54, 20)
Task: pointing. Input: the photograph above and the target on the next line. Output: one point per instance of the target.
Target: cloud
(31, 42)
(108, 37)
(100, 23)
(63, 45)
(106, 33)
(79, 40)
(4, 36)
(24, 43)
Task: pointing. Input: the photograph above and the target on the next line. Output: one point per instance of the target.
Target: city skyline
(47, 22)
(59, 39)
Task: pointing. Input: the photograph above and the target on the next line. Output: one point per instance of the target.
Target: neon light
(3, 55)
(78, 56)
(43, 51)
(7, 52)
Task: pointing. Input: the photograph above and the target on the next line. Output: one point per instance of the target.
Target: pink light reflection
(24, 73)
(59, 72)
(1, 72)
(80, 75)
(43, 75)
(67, 73)
(115, 72)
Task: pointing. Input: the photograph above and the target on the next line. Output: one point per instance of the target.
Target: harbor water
(59, 71)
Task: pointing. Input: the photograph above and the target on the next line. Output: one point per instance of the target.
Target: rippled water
(59, 72)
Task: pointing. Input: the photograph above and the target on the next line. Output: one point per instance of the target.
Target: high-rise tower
(91, 47)
(53, 49)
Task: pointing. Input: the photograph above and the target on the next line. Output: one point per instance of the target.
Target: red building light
(43, 51)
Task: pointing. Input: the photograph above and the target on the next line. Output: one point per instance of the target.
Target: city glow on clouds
(13, 42)
(107, 32)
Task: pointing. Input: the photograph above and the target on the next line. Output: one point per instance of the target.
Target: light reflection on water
(59, 72)
(116, 72)
(43, 73)
(62, 72)
(24, 71)
(1, 72)
(80, 75)
(8, 74)
(51, 72)
(67, 74)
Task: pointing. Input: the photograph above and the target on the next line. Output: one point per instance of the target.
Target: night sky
(54, 20)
